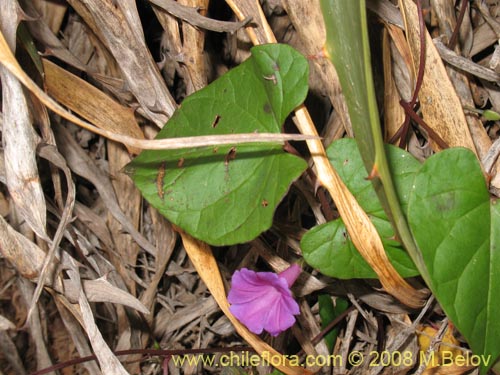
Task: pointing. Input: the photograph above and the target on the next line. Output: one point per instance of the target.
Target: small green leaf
(329, 248)
(227, 195)
(328, 313)
(491, 115)
(457, 229)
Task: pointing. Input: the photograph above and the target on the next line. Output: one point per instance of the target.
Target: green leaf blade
(457, 232)
(328, 247)
(225, 195)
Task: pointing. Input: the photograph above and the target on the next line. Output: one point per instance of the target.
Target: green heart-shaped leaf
(328, 247)
(226, 195)
(457, 229)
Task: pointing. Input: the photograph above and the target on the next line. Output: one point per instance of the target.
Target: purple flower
(263, 300)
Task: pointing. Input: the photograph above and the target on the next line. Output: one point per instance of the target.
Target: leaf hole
(216, 121)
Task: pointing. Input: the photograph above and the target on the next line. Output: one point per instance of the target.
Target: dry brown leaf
(6, 324)
(11, 354)
(193, 40)
(8, 60)
(439, 102)
(446, 15)
(403, 62)
(118, 26)
(42, 32)
(107, 360)
(19, 139)
(307, 19)
(81, 164)
(203, 260)
(50, 153)
(130, 201)
(90, 103)
(169, 323)
(393, 112)
(405, 342)
(26, 257)
(360, 228)
(100, 290)
(35, 324)
(78, 338)
(53, 13)
(165, 242)
(95, 223)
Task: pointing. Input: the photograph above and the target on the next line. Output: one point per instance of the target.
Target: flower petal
(282, 316)
(247, 286)
(254, 315)
(263, 300)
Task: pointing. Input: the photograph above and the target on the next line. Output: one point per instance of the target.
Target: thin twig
(454, 37)
(432, 134)
(420, 77)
